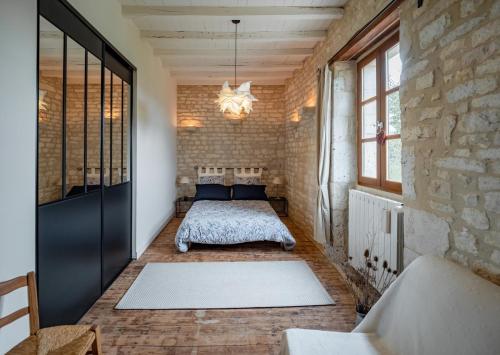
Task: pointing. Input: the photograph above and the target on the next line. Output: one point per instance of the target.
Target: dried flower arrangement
(370, 288)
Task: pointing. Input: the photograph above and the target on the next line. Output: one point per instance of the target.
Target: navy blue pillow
(249, 192)
(212, 192)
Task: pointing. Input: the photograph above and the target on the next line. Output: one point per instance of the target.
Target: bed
(232, 222)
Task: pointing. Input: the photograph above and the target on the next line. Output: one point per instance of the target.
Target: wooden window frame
(381, 181)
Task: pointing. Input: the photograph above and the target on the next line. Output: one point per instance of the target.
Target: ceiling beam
(302, 11)
(230, 52)
(220, 81)
(211, 74)
(260, 35)
(241, 68)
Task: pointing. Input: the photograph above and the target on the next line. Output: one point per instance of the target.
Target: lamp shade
(184, 180)
(277, 180)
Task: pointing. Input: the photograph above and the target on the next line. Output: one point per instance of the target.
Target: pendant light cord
(235, 50)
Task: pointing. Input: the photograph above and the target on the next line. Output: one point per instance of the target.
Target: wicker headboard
(212, 174)
(248, 172)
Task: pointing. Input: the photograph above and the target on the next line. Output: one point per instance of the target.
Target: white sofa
(434, 307)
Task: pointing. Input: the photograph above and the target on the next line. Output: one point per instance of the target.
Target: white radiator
(376, 224)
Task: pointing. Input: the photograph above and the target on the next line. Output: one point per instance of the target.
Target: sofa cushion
(318, 342)
(437, 307)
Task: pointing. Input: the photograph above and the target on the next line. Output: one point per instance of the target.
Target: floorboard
(232, 331)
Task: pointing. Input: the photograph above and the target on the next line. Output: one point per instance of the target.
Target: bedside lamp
(184, 181)
(276, 182)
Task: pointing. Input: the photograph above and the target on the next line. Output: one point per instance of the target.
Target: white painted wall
(154, 151)
(17, 155)
(155, 105)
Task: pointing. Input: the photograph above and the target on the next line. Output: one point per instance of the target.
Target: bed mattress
(232, 222)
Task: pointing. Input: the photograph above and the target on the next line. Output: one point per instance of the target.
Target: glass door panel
(126, 134)
(50, 103)
(83, 143)
(116, 132)
(75, 118)
(107, 126)
(93, 123)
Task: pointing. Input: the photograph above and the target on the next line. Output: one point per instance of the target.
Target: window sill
(381, 193)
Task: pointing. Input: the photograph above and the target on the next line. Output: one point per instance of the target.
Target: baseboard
(154, 235)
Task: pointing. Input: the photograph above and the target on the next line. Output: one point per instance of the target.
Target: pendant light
(237, 103)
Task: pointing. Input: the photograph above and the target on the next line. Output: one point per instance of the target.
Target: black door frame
(71, 23)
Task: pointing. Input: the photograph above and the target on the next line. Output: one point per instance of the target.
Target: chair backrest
(437, 307)
(9, 286)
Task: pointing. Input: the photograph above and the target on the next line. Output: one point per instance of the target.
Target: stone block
(488, 183)
(471, 199)
(433, 30)
(471, 88)
(466, 241)
(475, 218)
(461, 164)
(425, 233)
(425, 81)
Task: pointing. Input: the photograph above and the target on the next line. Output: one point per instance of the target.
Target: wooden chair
(58, 340)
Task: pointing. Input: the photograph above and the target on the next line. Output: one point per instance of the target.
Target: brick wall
(256, 141)
(450, 96)
(50, 136)
(301, 137)
(450, 101)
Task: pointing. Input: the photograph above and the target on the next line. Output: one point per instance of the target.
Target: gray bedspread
(232, 222)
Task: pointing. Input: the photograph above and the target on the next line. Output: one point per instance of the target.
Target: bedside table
(280, 205)
(183, 205)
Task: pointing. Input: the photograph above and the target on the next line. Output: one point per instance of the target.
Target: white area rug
(204, 285)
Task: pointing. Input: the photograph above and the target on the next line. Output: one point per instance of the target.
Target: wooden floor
(241, 331)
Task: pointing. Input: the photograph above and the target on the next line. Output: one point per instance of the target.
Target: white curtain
(322, 214)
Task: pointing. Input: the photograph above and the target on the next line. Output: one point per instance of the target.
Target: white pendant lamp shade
(237, 103)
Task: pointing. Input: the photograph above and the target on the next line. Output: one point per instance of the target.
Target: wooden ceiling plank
(260, 35)
(215, 74)
(302, 11)
(230, 52)
(241, 68)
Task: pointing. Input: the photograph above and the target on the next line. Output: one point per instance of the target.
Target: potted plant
(367, 285)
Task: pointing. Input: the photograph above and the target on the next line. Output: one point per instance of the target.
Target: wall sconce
(305, 112)
(190, 123)
(295, 117)
(311, 101)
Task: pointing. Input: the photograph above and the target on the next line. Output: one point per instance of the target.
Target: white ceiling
(195, 39)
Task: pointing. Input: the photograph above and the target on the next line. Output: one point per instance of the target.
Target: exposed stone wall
(50, 141)
(343, 169)
(50, 137)
(301, 137)
(450, 101)
(256, 141)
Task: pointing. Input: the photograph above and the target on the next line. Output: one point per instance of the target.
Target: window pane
(393, 172)
(50, 113)
(93, 122)
(75, 84)
(369, 119)
(107, 127)
(369, 80)
(116, 127)
(369, 159)
(393, 67)
(393, 113)
(126, 135)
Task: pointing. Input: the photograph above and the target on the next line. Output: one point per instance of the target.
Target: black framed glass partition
(84, 195)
